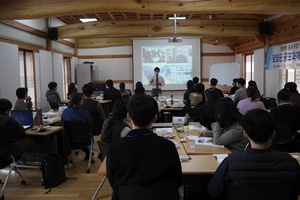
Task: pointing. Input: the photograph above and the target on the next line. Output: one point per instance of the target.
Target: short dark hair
(213, 81)
(119, 110)
(122, 85)
(252, 92)
(291, 86)
(139, 90)
(196, 80)
(52, 85)
(109, 83)
(199, 87)
(142, 109)
(21, 92)
(259, 125)
(88, 89)
(284, 95)
(252, 83)
(242, 81)
(75, 99)
(190, 85)
(5, 105)
(156, 69)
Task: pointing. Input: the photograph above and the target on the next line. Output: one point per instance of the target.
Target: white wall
(34, 23)
(74, 61)
(259, 71)
(10, 72)
(58, 72)
(272, 83)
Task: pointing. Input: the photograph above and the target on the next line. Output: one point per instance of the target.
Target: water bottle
(186, 119)
(172, 101)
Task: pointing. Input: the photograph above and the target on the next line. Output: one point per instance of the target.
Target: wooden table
(200, 164)
(49, 131)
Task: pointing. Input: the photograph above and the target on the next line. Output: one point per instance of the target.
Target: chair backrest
(194, 113)
(78, 133)
(269, 102)
(103, 149)
(238, 192)
(157, 191)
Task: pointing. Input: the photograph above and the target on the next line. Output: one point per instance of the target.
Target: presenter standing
(156, 81)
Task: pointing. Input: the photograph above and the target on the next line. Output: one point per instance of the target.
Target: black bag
(53, 171)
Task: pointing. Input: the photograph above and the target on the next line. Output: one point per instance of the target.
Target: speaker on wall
(264, 28)
(52, 33)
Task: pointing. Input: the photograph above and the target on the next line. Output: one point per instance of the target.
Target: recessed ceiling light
(177, 17)
(88, 20)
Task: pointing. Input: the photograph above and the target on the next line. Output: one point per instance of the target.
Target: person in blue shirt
(76, 113)
(257, 165)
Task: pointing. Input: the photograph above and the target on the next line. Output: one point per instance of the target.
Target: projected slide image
(175, 63)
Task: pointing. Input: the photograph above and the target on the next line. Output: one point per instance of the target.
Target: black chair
(103, 147)
(80, 137)
(262, 191)
(284, 140)
(269, 102)
(157, 191)
(9, 161)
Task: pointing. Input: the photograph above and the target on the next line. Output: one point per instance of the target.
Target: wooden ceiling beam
(159, 28)
(103, 42)
(30, 9)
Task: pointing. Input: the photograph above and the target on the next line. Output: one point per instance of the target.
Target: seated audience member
(241, 92)
(258, 166)
(12, 135)
(76, 113)
(111, 93)
(285, 112)
(124, 92)
(24, 101)
(117, 126)
(139, 88)
(251, 102)
(197, 97)
(195, 80)
(190, 89)
(53, 97)
(295, 100)
(291, 87)
(142, 157)
(94, 107)
(71, 88)
(234, 86)
(212, 88)
(227, 129)
(207, 116)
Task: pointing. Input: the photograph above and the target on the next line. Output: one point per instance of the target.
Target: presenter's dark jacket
(142, 157)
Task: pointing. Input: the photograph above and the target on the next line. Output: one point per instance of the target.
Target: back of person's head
(235, 80)
(284, 95)
(291, 87)
(88, 89)
(72, 88)
(259, 125)
(212, 97)
(142, 109)
(52, 85)
(109, 83)
(5, 105)
(122, 86)
(226, 112)
(139, 84)
(190, 85)
(75, 100)
(139, 90)
(120, 109)
(252, 92)
(199, 88)
(295, 100)
(21, 92)
(195, 80)
(213, 81)
(252, 83)
(242, 81)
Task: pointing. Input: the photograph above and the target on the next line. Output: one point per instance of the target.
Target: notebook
(23, 117)
(161, 125)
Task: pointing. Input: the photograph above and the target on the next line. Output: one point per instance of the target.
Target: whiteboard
(225, 72)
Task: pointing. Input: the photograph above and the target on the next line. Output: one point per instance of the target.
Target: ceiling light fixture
(177, 17)
(175, 39)
(88, 20)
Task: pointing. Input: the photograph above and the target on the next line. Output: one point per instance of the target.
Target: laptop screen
(23, 117)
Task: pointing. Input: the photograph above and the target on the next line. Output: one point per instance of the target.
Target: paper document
(220, 157)
(197, 128)
(164, 130)
(203, 141)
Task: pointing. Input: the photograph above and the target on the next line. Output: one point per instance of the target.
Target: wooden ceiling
(219, 22)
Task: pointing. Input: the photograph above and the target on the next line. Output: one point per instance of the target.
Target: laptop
(23, 117)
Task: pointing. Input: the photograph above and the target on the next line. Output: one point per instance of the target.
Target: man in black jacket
(258, 166)
(12, 134)
(142, 157)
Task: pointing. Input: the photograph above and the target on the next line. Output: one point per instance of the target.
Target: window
(290, 75)
(249, 65)
(27, 73)
(66, 75)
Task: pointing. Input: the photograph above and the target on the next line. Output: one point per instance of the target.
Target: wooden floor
(82, 187)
